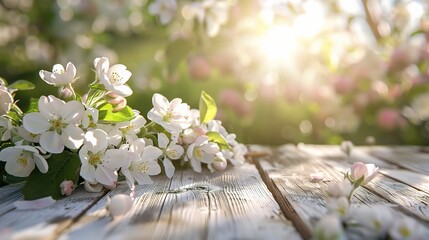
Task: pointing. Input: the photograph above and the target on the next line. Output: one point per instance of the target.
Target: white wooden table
(271, 197)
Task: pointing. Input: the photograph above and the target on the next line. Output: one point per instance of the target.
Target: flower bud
(6, 100)
(361, 170)
(67, 187)
(219, 164)
(93, 187)
(346, 147)
(329, 227)
(119, 204)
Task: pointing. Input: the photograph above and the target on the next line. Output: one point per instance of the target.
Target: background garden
(281, 71)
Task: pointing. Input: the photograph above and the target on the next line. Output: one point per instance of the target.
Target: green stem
(17, 109)
(72, 90)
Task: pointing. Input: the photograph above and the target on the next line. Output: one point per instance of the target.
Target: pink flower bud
(361, 170)
(199, 68)
(389, 119)
(67, 187)
(118, 101)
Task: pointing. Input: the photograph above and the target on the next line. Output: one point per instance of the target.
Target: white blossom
(21, 160)
(375, 220)
(113, 78)
(57, 122)
(408, 229)
(171, 151)
(130, 129)
(99, 164)
(164, 9)
(143, 163)
(90, 116)
(347, 147)
(201, 151)
(339, 206)
(59, 76)
(329, 227)
(172, 116)
(6, 100)
(238, 158)
(6, 129)
(216, 14)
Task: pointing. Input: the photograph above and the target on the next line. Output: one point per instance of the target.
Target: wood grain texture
(411, 159)
(8, 195)
(44, 223)
(231, 205)
(289, 169)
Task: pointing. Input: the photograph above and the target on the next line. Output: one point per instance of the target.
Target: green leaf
(219, 139)
(208, 108)
(22, 85)
(34, 105)
(97, 86)
(106, 114)
(63, 166)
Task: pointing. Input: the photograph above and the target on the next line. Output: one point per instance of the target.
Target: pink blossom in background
(389, 119)
(199, 67)
(233, 99)
(344, 85)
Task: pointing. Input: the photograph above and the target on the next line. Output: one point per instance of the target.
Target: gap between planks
(284, 203)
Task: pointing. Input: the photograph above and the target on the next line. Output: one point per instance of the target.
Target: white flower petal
(72, 112)
(34, 204)
(153, 168)
(121, 90)
(115, 159)
(143, 178)
(41, 163)
(10, 154)
(35, 123)
(129, 177)
(72, 136)
(196, 165)
(51, 142)
(160, 101)
(169, 168)
(162, 140)
(88, 173)
(151, 153)
(96, 140)
(106, 176)
(138, 146)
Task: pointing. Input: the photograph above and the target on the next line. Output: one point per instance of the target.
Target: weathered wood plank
(44, 223)
(410, 159)
(289, 170)
(231, 205)
(8, 195)
(406, 197)
(358, 154)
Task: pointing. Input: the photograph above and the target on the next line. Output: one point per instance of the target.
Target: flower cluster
(98, 137)
(369, 222)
